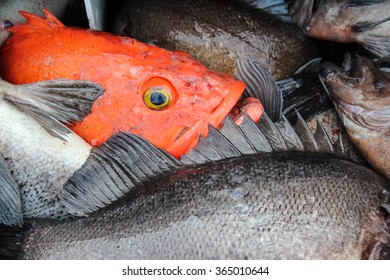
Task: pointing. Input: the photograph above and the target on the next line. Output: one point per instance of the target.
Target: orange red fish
(166, 97)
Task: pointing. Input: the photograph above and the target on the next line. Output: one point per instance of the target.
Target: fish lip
(191, 134)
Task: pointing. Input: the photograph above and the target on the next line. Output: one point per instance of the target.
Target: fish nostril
(7, 24)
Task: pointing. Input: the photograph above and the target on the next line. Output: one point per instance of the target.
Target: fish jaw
(189, 136)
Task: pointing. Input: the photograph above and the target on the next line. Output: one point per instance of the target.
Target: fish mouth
(188, 137)
(349, 95)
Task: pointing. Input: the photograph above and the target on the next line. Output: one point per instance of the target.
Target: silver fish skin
(39, 162)
(362, 100)
(276, 206)
(215, 32)
(366, 22)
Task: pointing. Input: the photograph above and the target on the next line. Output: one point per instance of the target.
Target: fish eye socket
(157, 98)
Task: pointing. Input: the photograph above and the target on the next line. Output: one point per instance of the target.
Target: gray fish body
(279, 206)
(39, 162)
(215, 32)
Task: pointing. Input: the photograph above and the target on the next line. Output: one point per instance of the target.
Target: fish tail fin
(36, 24)
(11, 242)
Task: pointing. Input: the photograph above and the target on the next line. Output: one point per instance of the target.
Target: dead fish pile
(203, 212)
(283, 184)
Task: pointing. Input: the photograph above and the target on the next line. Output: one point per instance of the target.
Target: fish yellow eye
(157, 98)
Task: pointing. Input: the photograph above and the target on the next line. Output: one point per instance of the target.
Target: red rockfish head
(166, 97)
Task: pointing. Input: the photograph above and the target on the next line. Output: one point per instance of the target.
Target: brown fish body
(277, 206)
(214, 32)
(362, 100)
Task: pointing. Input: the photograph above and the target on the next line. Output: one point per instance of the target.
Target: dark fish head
(361, 94)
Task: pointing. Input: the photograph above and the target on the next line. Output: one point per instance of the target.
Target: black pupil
(157, 98)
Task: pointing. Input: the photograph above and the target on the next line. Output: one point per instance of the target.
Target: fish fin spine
(36, 24)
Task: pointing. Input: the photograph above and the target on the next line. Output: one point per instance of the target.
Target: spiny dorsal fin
(36, 24)
(292, 140)
(272, 134)
(305, 135)
(322, 138)
(54, 103)
(122, 165)
(264, 137)
(10, 200)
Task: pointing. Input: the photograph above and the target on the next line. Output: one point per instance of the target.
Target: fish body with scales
(215, 32)
(127, 69)
(276, 206)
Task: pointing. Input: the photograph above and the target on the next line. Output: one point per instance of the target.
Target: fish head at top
(166, 97)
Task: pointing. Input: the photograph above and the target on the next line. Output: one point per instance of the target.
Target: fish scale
(209, 214)
(216, 31)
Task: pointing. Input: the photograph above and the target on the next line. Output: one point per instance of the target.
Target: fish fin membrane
(377, 45)
(55, 102)
(11, 242)
(234, 140)
(122, 165)
(304, 93)
(37, 25)
(259, 84)
(10, 200)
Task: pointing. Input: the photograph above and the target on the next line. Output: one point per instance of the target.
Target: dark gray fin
(268, 128)
(339, 148)
(10, 200)
(324, 143)
(11, 242)
(259, 84)
(304, 93)
(54, 103)
(122, 165)
(305, 135)
(237, 137)
(289, 135)
(302, 11)
(264, 137)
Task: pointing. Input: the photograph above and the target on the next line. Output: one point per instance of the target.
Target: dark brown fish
(215, 32)
(362, 100)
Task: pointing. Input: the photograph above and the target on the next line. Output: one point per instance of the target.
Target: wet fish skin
(362, 100)
(278, 206)
(214, 32)
(364, 22)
